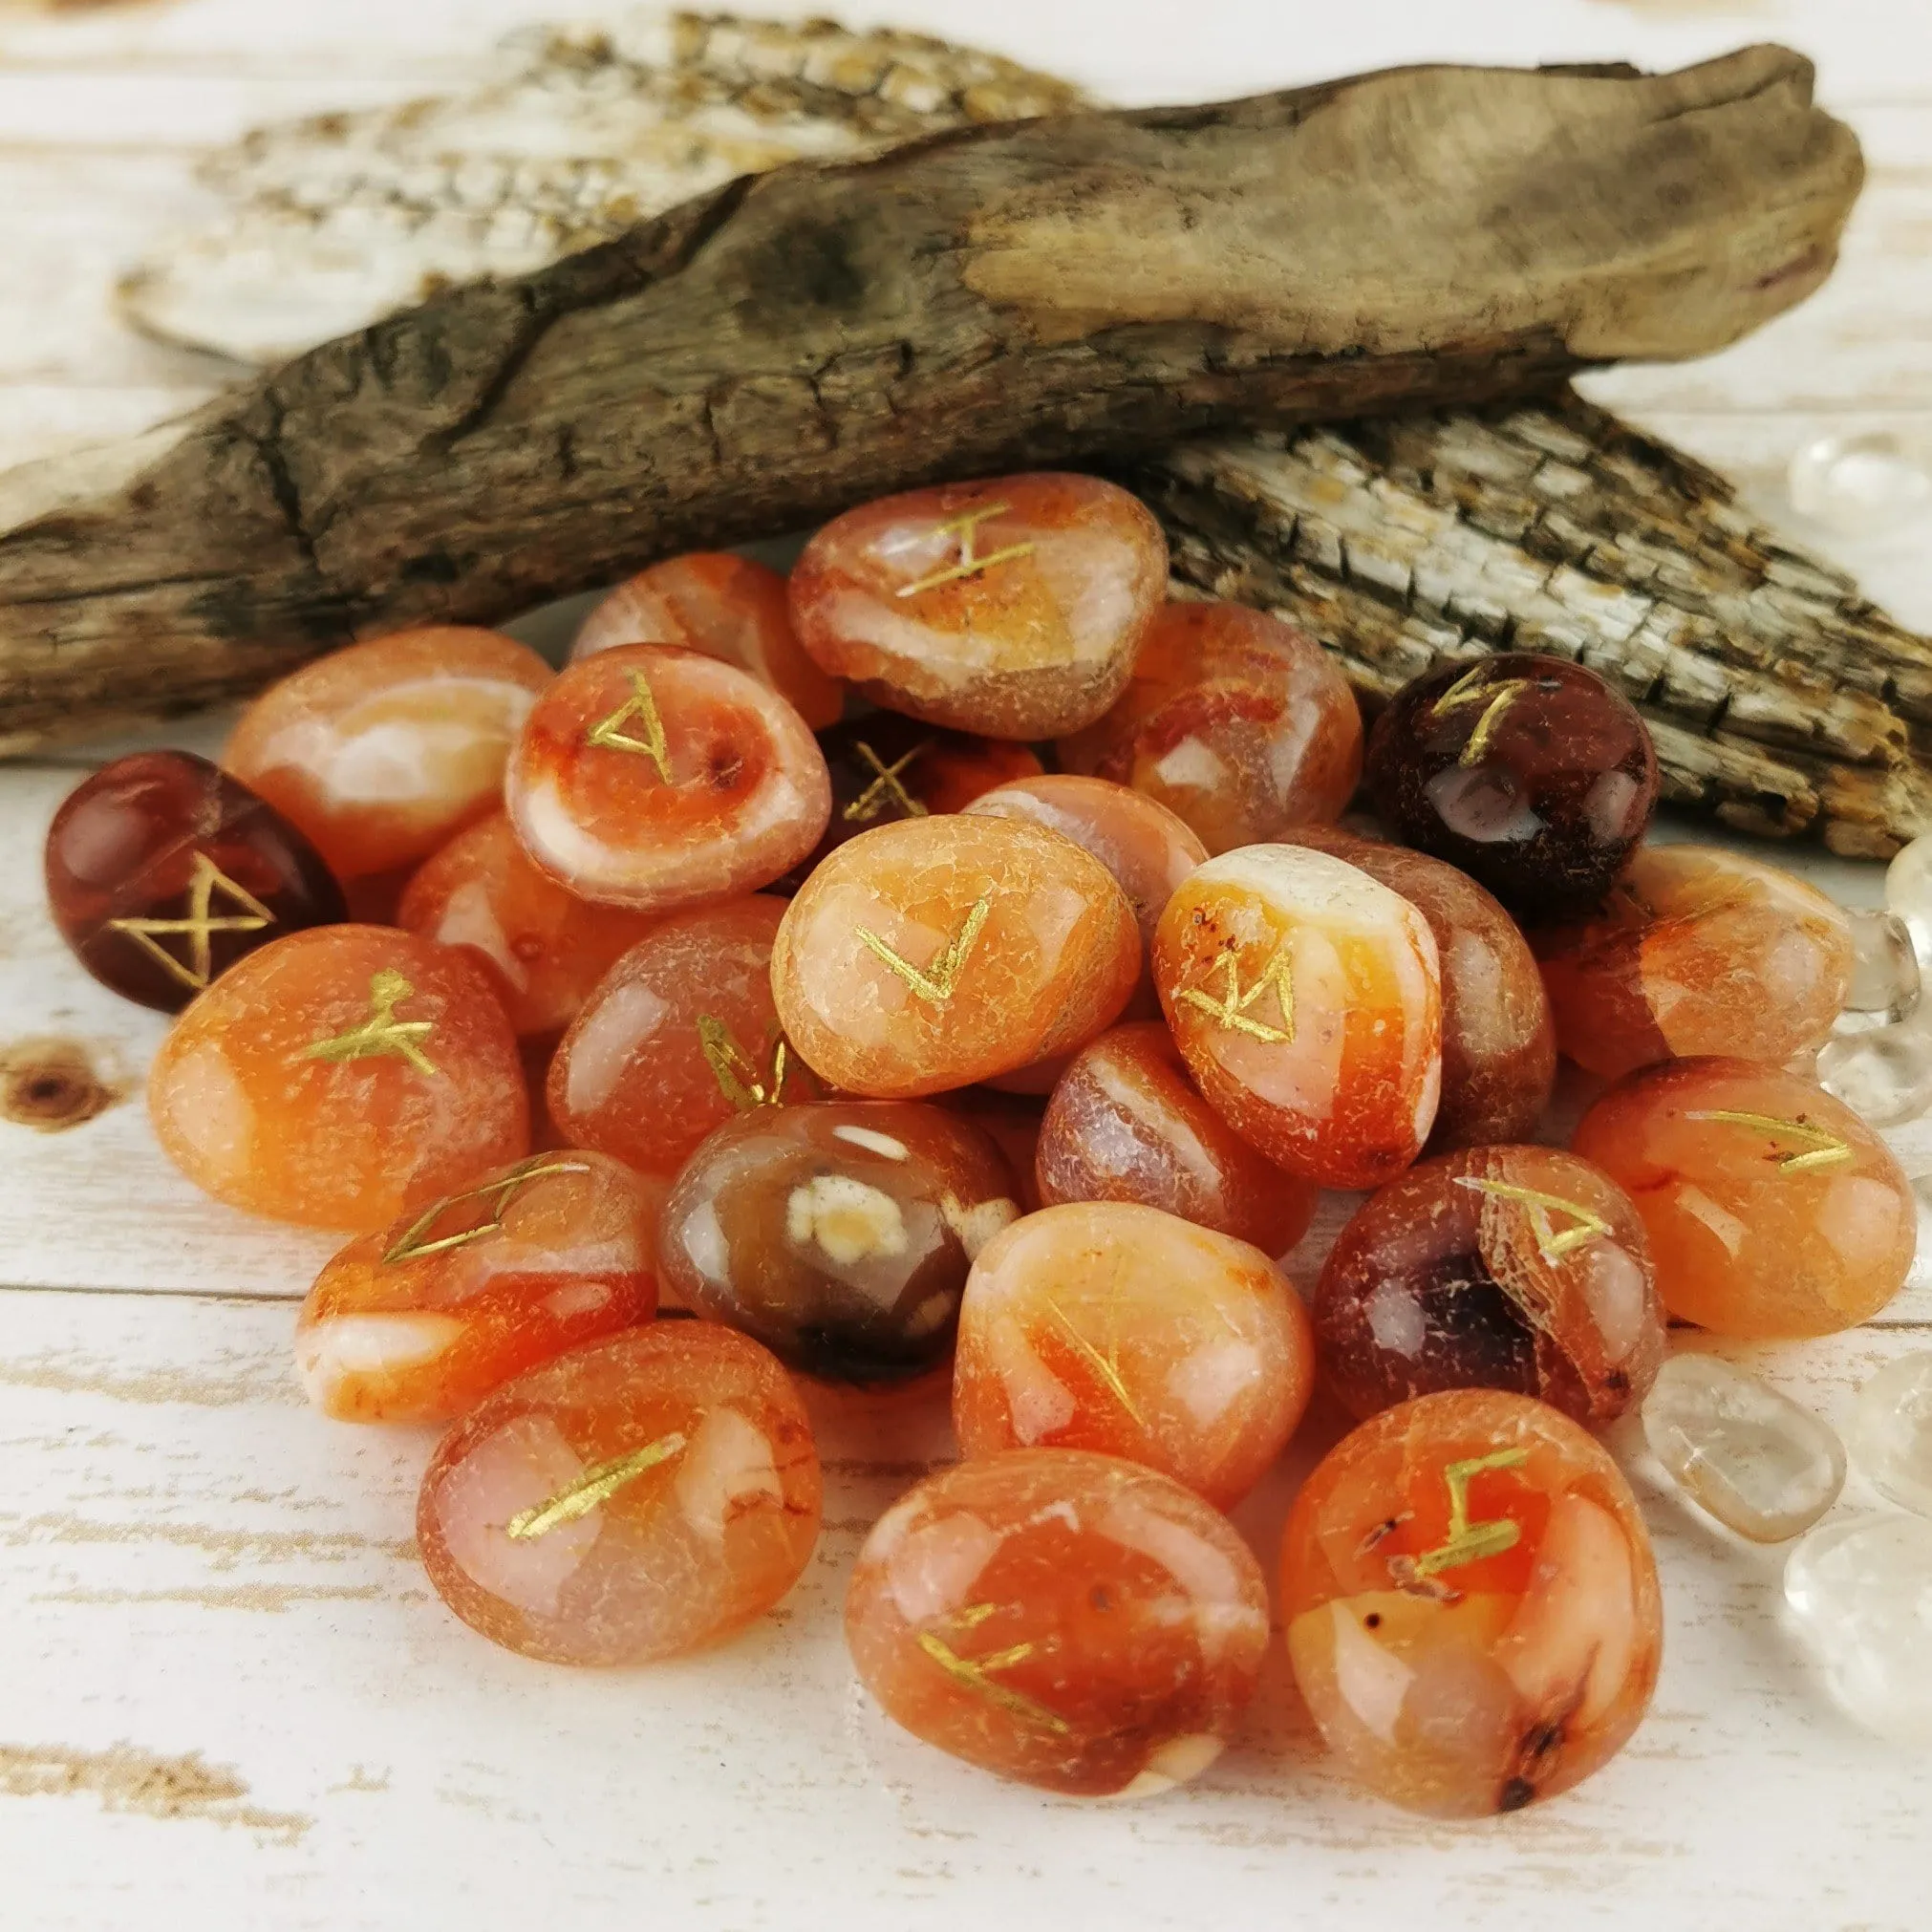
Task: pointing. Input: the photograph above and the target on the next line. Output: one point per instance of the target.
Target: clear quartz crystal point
(1860, 1591)
(1891, 1431)
(1885, 966)
(1883, 1073)
(1908, 892)
(1862, 485)
(1757, 1461)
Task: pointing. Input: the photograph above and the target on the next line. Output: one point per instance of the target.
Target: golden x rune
(415, 1242)
(736, 1072)
(941, 976)
(642, 705)
(975, 1673)
(1471, 689)
(382, 1033)
(1467, 1542)
(1555, 1244)
(887, 789)
(197, 968)
(1231, 1008)
(598, 1484)
(966, 527)
(1817, 1149)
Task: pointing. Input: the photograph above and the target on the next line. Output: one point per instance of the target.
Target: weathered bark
(1048, 292)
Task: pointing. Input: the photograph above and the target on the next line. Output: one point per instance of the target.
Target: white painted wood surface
(228, 1698)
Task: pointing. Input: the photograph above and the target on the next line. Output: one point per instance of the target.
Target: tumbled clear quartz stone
(1860, 484)
(1860, 1590)
(1753, 1458)
(1882, 1073)
(1885, 967)
(1891, 1432)
(1908, 892)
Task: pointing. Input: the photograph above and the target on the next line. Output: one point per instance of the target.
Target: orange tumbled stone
(1104, 1325)
(1472, 1603)
(636, 1498)
(1773, 1208)
(420, 1323)
(1697, 950)
(725, 606)
(547, 947)
(1306, 1000)
(942, 951)
(1067, 1620)
(658, 778)
(382, 752)
(339, 1076)
(1012, 608)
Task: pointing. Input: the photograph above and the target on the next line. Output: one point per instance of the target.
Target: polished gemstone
(1891, 1431)
(1860, 1589)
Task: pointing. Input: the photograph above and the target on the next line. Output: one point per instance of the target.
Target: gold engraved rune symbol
(1816, 1148)
(1467, 1542)
(736, 1072)
(415, 1243)
(887, 789)
(382, 1033)
(975, 1673)
(1470, 689)
(598, 1484)
(197, 968)
(966, 527)
(937, 982)
(642, 705)
(1555, 1244)
(1105, 1365)
(1231, 1008)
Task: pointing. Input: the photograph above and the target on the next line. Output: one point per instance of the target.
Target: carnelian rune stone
(339, 1076)
(1472, 1603)
(1064, 1619)
(162, 871)
(420, 1323)
(632, 1499)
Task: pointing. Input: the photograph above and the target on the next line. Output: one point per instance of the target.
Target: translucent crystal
(1882, 1073)
(1862, 485)
(1884, 968)
(1860, 1590)
(1891, 1432)
(1758, 1462)
(1908, 892)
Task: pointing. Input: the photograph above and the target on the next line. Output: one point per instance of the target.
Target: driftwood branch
(1059, 291)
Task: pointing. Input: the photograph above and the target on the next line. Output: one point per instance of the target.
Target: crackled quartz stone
(944, 951)
(676, 1038)
(628, 1501)
(1307, 1002)
(1126, 1123)
(339, 1076)
(1891, 1431)
(382, 752)
(1773, 1209)
(1103, 1325)
(1240, 723)
(548, 948)
(1520, 1268)
(1753, 1457)
(839, 1236)
(1857, 1589)
(420, 1323)
(1697, 950)
(658, 778)
(1472, 1603)
(725, 606)
(1063, 1618)
(1885, 977)
(1012, 608)
(162, 871)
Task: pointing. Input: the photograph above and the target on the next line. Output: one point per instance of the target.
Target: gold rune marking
(1231, 1008)
(1470, 1543)
(1542, 1206)
(886, 789)
(197, 968)
(938, 981)
(412, 1244)
(1819, 1150)
(596, 1484)
(1470, 689)
(975, 1673)
(735, 1070)
(970, 565)
(1106, 1367)
(642, 705)
(382, 1033)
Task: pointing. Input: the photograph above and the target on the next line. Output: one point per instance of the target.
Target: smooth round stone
(1773, 1208)
(1307, 1002)
(339, 1076)
(1891, 1431)
(1530, 773)
(1697, 950)
(1885, 977)
(1126, 1123)
(1519, 1268)
(1882, 1073)
(1862, 482)
(1012, 607)
(1498, 1038)
(1239, 723)
(1908, 892)
(162, 871)
(1472, 1603)
(384, 751)
(839, 1236)
(548, 948)
(1750, 1456)
(944, 951)
(676, 1038)
(629, 1501)
(1063, 1618)
(422, 1321)
(1108, 1326)
(725, 606)
(1860, 1591)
